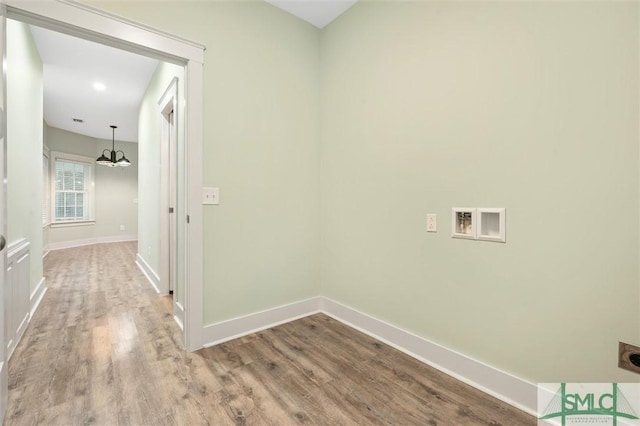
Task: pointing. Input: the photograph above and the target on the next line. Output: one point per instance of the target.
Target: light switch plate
(432, 223)
(210, 196)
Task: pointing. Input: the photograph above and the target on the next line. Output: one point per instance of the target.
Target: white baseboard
(19, 333)
(89, 241)
(497, 383)
(232, 329)
(148, 272)
(4, 378)
(491, 380)
(37, 295)
(178, 313)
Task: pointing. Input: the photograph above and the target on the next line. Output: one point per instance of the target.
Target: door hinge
(188, 219)
(170, 209)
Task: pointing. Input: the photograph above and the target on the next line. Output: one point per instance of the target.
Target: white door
(168, 187)
(172, 202)
(169, 190)
(4, 390)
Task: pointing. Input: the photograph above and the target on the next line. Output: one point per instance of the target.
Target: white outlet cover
(210, 196)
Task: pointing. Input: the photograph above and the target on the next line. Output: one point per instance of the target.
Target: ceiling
(72, 66)
(316, 12)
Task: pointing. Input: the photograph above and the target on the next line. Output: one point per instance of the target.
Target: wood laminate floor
(103, 349)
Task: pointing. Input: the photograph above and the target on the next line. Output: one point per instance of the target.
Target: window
(72, 189)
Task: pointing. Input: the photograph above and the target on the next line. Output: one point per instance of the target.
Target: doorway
(89, 23)
(92, 24)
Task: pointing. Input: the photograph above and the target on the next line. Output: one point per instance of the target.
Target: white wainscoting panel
(16, 302)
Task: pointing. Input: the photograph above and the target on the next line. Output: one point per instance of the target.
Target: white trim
(194, 288)
(71, 223)
(502, 385)
(248, 324)
(4, 369)
(491, 380)
(17, 249)
(168, 102)
(46, 178)
(75, 18)
(90, 241)
(86, 22)
(36, 296)
(148, 272)
(18, 262)
(178, 311)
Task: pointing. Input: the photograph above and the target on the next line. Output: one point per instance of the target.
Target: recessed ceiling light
(100, 87)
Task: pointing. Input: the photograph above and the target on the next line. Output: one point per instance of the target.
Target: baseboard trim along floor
(491, 380)
(148, 272)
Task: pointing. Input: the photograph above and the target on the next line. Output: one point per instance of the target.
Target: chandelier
(111, 161)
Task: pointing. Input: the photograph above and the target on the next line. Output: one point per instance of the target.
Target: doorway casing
(93, 24)
(170, 190)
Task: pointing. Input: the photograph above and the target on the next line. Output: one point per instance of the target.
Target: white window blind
(72, 190)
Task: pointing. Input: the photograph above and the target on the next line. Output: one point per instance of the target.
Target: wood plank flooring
(103, 349)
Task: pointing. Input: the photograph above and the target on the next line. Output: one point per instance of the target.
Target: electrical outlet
(629, 357)
(122, 227)
(431, 223)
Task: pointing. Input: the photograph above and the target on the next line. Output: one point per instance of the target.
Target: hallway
(103, 349)
(85, 357)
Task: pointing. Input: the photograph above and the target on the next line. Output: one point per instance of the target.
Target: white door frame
(4, 368)
(93, 24)
(168, 108)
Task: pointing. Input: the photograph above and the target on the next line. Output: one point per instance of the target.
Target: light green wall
(260, 148)
(402, 109)
(116, 189)
(24, 144)
(150, 167)
(528, 106)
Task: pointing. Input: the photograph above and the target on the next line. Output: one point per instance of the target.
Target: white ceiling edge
(316, 12)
